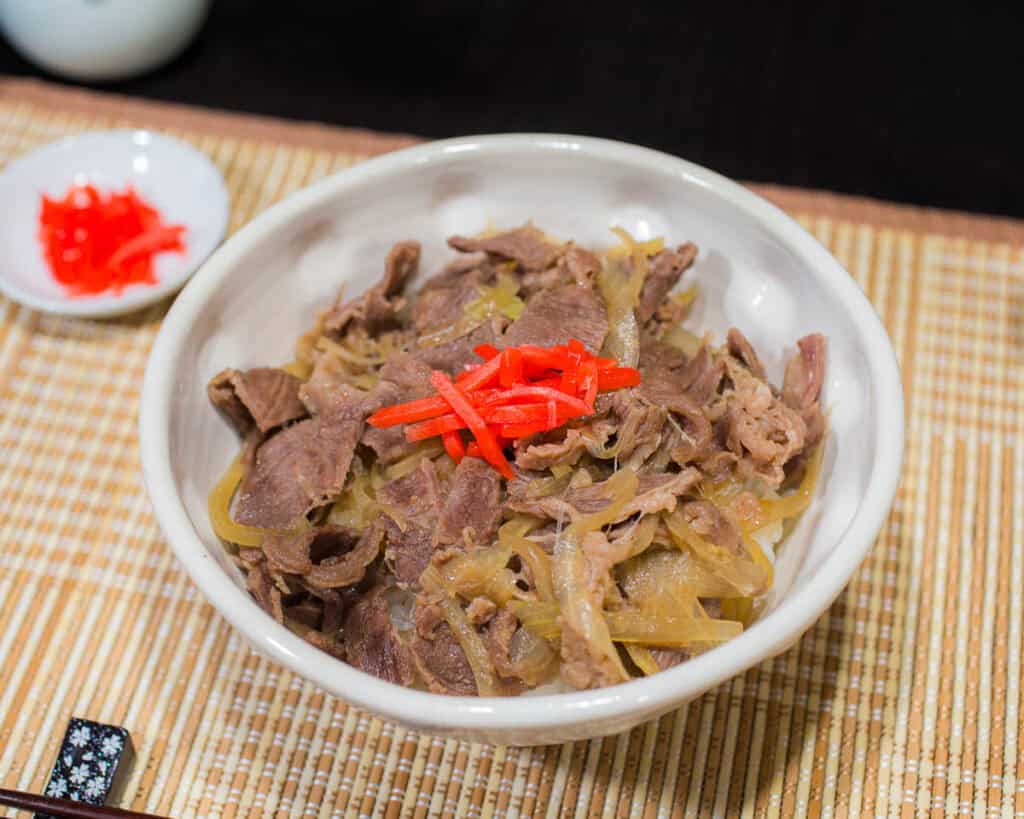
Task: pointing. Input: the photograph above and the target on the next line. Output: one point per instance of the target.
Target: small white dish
(169, 174)
(758, 270)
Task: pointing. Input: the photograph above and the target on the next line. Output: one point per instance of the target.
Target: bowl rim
(768, 637)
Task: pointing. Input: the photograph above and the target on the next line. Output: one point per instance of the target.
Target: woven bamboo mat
(904, 699)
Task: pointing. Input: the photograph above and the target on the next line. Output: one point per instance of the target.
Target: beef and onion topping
(530, 474)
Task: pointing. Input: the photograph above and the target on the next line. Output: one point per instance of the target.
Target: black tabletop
(876, 98)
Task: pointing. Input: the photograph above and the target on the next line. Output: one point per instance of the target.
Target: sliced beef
(462, 263)
(472, 509)
(656, 493)
(411, 379)
(761, 426)
(248, 557)
(659, 357)
(416, 495)
(716, 464)
(663, 388)
(324, 642)
(309, 611)
(664, 271)
(442, 304)
(409, 374)
(328, 392)
(329, 557)
(695, 434)
(262, 588)
(417, 498)
(805, 372)
(324, 609)
(300, 468)
(502, 627)
(708, 521)
(305, 465)
(801, 386)
(264, 396)
(638, 429)
(669, 657)
(377, 309)
(372, 644)
(545, 454)
(601, 553)
(438, 656)
(480, 610)
(221, 393)
(389, 444)
(409, 552)
(698, 412)
(741, 348)
(566, 312)
(668, 381)
(580, 668)
(290, 553)
(454, 356)
(533, 283)
(697, 443)
(579, 264)
(526, 246)
(329, 380)
(702, 377)
(576, 265)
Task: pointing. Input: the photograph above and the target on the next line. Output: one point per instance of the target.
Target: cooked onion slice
(746, 576)
(219, 507)
(579, 594)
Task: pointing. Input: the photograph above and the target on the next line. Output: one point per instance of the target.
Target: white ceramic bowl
(758, 270)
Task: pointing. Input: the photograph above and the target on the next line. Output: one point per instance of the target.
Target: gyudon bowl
(757, 270)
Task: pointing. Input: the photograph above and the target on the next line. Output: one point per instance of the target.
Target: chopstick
(66, 808)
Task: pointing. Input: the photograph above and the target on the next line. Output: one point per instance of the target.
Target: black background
(885, 99)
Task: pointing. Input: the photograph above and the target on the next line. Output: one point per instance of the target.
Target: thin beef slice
(378, 307)
(372, 644)
(416, 498)
(264, 396)
(454, 356)
(741, 348)
(761, 426)
(329, 557)
(657, 492)
(664, 271)
(472, 510)
(303, 466)
(438, 656)
(555, 316)
(526, 246)
(411, 380)
(439, 306)
(801, 386)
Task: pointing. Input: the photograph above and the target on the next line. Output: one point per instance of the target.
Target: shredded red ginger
(96, 242)
(516, 392)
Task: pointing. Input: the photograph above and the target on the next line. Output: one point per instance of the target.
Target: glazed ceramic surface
(757, 270)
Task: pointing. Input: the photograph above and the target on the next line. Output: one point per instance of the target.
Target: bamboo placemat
(903, 699)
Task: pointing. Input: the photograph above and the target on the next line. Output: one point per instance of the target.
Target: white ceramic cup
(101, 39)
